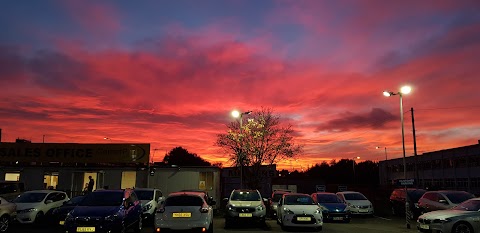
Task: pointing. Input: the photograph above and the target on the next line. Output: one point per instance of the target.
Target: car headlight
(111, 218)
(147, 207)
(230, 208)
(442, 220)
(287, 211)
(259, 208)
(69, 217)
(319, 210)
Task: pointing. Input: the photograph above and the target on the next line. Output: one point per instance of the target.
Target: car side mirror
(443, 201)
(48, 201)
(225, 199)
(159, 200)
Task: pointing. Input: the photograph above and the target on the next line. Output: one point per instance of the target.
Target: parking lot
(357, 225)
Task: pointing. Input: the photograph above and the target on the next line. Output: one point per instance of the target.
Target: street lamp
(403, 91)
(377, 147)
(238, 114)
(107, 138)
(353, 162)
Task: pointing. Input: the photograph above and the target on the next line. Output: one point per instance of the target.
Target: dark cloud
(11, 63)
(375, 119)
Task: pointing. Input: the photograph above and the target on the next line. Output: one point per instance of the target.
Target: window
(128, 179)
(14, 176)
(184, 200)
(50, 180)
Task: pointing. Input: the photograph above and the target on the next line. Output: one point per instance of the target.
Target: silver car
(185, 211)
(299, 210)
(245, 205)
(442, 200)
(7, 213)
(464, 218)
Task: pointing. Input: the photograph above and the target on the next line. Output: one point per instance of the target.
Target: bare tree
(261, 141)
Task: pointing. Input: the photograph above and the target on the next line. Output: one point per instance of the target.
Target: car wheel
(4, 223)
(462, 227)
(139, 225)
(39, 218)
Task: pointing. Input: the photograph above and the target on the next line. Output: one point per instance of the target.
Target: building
(455, 168)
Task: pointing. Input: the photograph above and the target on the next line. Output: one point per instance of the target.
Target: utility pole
(414, 149)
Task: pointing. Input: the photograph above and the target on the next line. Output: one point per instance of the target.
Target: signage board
(342, 188)
(74, 152)
(320, 188)
(406, 182)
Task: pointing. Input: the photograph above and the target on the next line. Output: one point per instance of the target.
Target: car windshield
(184, 200)
(30, 198)
(298, 200)
(102, 199)
(328, 198)
(459, 197)
(354, 196)
(74, 201)
(276, 197)
(415, 195)
(144, 194)
(469, 205)
(245, 196)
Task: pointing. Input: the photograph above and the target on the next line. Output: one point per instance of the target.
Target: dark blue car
(106, 211)
(60, 213)
(333, 209)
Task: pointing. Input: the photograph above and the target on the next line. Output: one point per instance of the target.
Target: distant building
(455, 168)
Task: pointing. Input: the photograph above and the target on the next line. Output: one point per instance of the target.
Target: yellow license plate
(245, 215)
(337, 218)
(304, 219)
(62, 223)
(182, 215)
(85, 229)
(424, 226)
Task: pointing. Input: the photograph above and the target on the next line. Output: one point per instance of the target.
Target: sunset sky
(170, 72)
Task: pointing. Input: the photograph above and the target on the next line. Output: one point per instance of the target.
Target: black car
(397, 202)
(60, 213)
(106, 211)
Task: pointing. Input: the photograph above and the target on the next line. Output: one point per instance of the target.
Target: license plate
(245, 215)
(62, 223)
(424, 226)
(304, 219)
(337, 218)
(363, 211)
(182, 215)
(85, 229)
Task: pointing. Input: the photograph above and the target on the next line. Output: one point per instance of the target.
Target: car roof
(199, 194)
(43, 191)
(345, 192)
(324, 193)
(145, 189)
(296, 194)
(447, 191)
(109, 190)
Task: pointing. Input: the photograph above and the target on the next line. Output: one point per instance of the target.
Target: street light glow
(235, 113)
(405, 89)
(387, 93)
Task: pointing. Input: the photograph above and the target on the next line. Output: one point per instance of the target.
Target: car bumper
(246, 216)
(181, 224)
(336, 216)
(292, 220)
(28, 217)
(434, 227)
(96, 228)
(361, 211)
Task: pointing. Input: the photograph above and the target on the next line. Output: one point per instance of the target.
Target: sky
(169, 73)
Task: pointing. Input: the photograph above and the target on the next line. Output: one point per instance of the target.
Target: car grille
(312, 221)
(244, 210)
(88, 221)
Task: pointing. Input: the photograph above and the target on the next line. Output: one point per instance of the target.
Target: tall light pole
(377, 147)
(353, 163)
(238, 114)
(403, 91)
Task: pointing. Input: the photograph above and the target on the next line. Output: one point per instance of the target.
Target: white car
(357, 202)
(33, 205)
(151, 199)
(7, 214)
(187, 211)
(299, 210)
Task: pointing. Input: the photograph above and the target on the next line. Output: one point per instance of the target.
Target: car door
(442, 202)
(49, 202)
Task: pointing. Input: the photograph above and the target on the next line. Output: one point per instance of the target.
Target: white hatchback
(357, 202)
(33, 205)
(299, 210)
(185, 211)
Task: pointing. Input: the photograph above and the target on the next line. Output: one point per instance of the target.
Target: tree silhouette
(181, 157)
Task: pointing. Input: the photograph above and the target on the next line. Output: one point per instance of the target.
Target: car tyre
(462, 227)
(139, 225)
(4, 223)
(39, 218)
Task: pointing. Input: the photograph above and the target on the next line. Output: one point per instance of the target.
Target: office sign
(406, 182)
(74, 152)
(320, 188)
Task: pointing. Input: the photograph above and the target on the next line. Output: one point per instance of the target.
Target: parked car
(397, 201)
(60, 213)
(185, 211)
(106, 211)
(333, 208)
(462, 218)
(299, 210)
(10, 190)
(442, 200)
(245, 205)
(151, 199)
(273, 201)
(32, 206)
(7, 214)
(357, 202)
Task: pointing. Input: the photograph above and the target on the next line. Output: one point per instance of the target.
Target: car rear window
(184, 200)
(276, 197)
(354, 196)
(459, 197)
